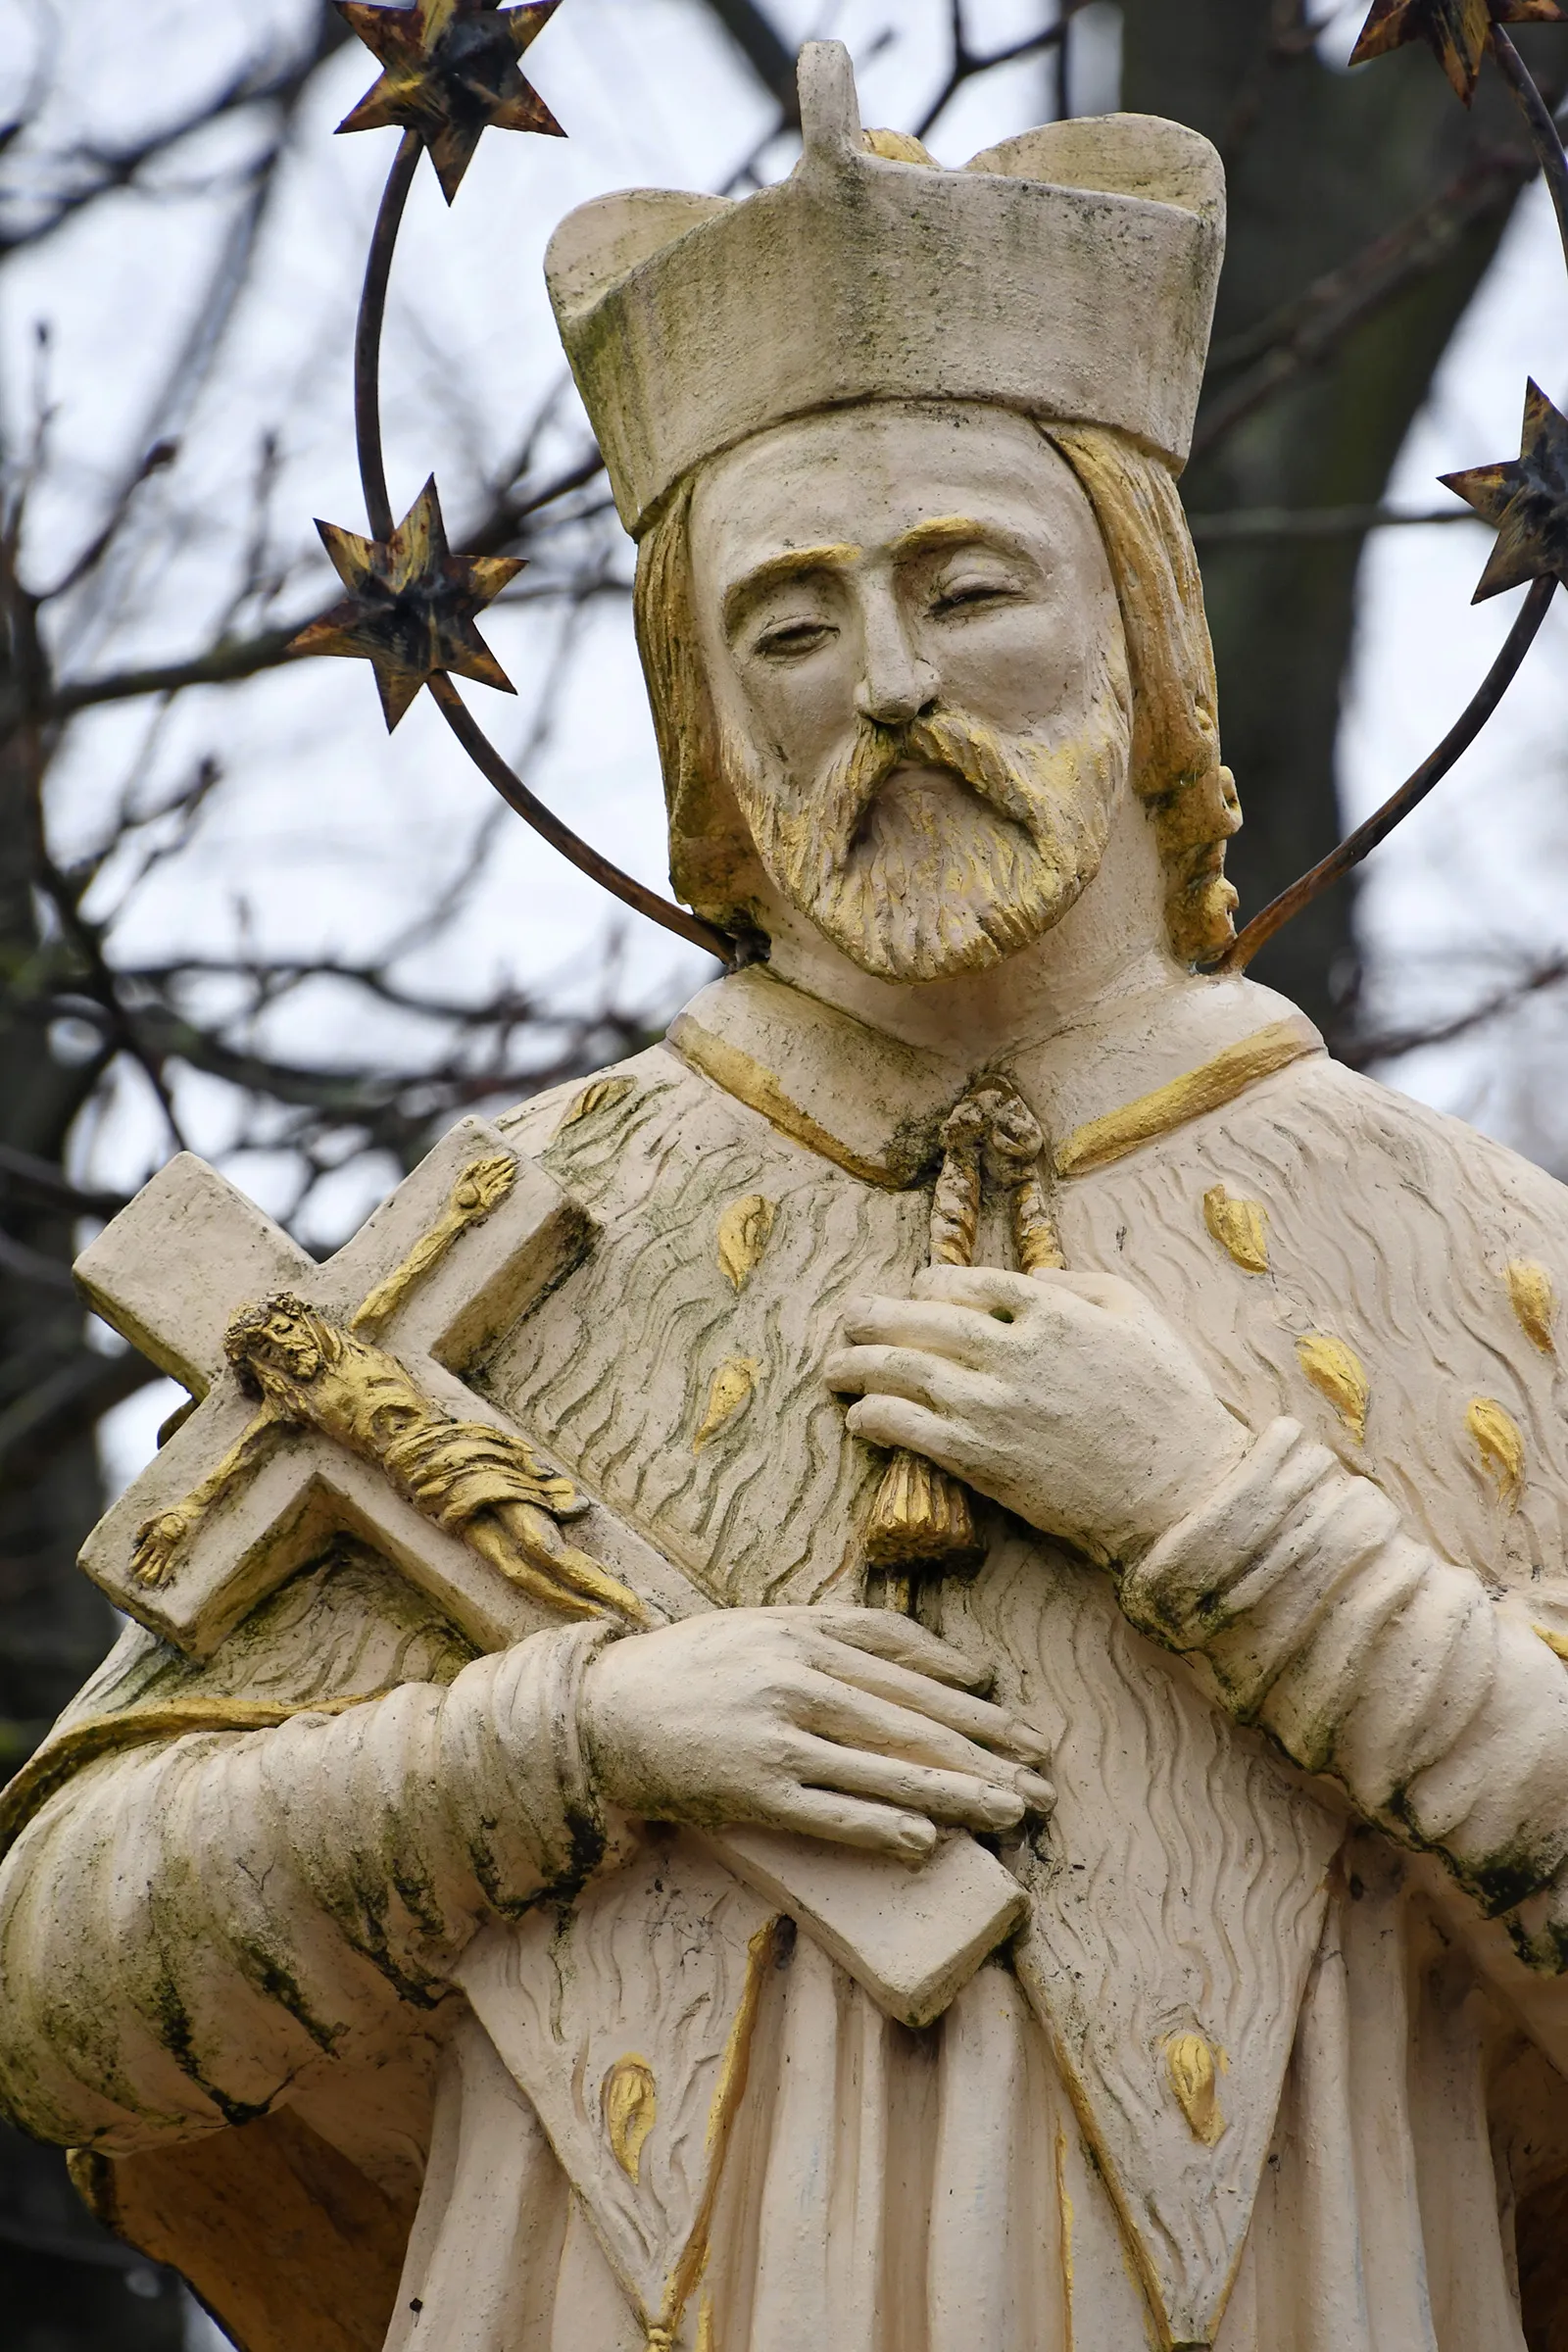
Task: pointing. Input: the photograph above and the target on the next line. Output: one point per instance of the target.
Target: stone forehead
(1069, 273)
(884, 467)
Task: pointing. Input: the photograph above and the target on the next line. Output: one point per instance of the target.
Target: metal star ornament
(1526, 500)
(1456, 30)
(451, 71)
(410, 606)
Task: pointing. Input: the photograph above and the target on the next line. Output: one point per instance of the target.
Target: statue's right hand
(850, 1723)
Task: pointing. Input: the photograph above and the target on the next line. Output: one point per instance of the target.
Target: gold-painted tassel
(955, 1203)
(921, 1518)
(1017, 1146)
(922, 1521)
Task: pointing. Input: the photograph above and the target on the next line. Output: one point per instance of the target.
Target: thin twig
(1243, 526)
(1391, 1045)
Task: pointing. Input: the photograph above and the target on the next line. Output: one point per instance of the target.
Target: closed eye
(791, 639)
(967, 595)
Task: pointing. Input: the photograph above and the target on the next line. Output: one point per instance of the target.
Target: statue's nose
(896, 685)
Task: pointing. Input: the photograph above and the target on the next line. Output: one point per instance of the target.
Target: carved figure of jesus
(429, 2017)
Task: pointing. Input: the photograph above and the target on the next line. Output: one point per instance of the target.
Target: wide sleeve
(1440, 1711)
(183, 1929)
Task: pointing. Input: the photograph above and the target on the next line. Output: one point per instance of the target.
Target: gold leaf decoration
(1193, 2076)
(1500, 1445)
(1339, 1375)
(732, 1388)
(630, 2103)
(1535, 1302)
(743, 1230)
(601, 1095)
(480, 1188)
(1557, 1643)
(1241, 1228)
(921, 1518)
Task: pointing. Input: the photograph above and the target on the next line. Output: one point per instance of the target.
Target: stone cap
(1069, 272)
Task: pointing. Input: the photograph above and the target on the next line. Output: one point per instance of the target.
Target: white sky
(326, 835)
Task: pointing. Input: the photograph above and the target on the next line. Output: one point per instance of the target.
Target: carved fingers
(1066, 1398)
(901, 1640)
(954, 1799)
(884, 1731)
(973, 1718)
(773, 1716)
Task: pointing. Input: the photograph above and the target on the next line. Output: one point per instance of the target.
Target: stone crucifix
(332, 1396)
(364, 1423)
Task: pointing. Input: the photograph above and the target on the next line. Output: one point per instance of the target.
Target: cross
(438, 1276)
(436, 1284)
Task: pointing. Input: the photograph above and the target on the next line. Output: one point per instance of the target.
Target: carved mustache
(943, 739)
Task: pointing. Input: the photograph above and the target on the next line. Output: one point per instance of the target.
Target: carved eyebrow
(794, 564)
(953, 530)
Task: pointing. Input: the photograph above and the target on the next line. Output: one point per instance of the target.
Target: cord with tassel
(923, 1524)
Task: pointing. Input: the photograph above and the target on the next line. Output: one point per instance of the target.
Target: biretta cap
(1069, 272)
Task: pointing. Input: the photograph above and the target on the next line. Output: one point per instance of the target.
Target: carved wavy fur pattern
(612, 1373)
(350, 1624)
(1181, 1889)
(1390, 1227)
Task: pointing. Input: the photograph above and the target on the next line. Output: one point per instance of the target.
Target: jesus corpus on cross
(562, 1858)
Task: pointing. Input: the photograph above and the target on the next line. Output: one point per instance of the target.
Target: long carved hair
(1176, 765)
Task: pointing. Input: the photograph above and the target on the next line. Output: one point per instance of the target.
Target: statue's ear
(1117, 155)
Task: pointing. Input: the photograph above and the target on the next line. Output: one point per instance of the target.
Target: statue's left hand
(1066, 1398)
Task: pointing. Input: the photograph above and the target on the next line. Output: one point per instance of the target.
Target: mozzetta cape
(1358, 1277)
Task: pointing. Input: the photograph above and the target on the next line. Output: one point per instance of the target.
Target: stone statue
(902, 1689)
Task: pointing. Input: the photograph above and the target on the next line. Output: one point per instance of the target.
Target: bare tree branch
(89, 171)
(1364, 1050)
(1310, 332)
(765, 51)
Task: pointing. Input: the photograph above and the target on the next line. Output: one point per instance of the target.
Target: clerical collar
(874, 1106)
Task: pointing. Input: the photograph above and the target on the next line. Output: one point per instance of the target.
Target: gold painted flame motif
(601, 1095)
(1535, 1302)
(1500, 1445)
(1193, 2077)
(1240, 1227)
(732, 1386)
(630, 2103)
(1338, 1373)
(743, 1230)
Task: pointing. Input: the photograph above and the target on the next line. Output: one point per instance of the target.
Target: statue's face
(919, 675)
(277, 1338)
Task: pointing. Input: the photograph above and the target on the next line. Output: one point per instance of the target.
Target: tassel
(922, 1519)
(1017, 1149)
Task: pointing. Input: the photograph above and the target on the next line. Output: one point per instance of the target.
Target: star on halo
(450, 70)
(1456, 30)
(410, 606)
(1526, 500)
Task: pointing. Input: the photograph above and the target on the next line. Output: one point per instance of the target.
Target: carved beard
(905, 885)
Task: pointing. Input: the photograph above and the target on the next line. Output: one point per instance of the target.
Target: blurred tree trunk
(64, 2284)
(1322, 166)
